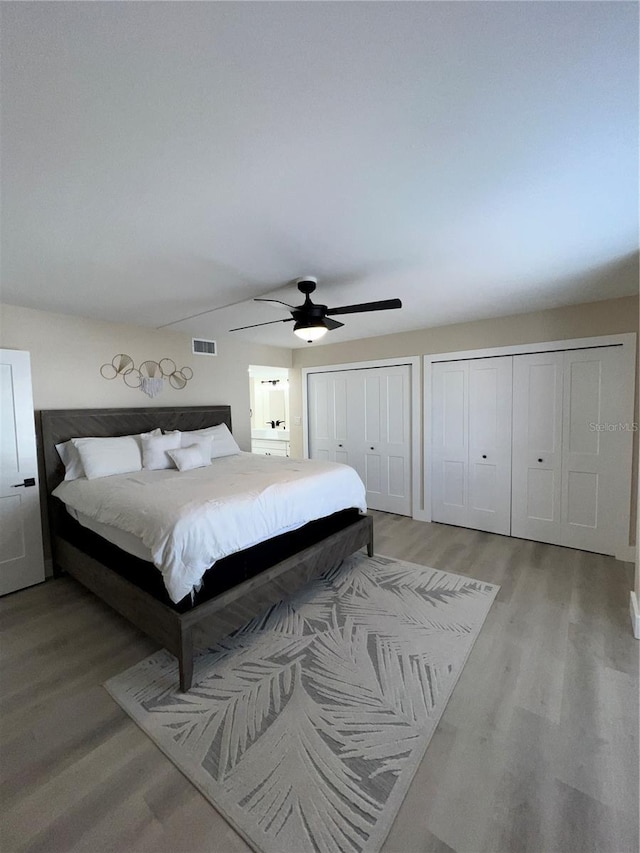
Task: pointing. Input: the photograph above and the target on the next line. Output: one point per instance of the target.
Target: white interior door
(450, 442)
(21, 555)
(490, 406)
(331, 431)
(471, 452)
(383, 412)
(361, 418)
(568, 452)
(591, 445)
(537, 446)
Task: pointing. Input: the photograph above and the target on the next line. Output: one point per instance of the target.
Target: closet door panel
(537, 446)
(490, 406)
(330, 422)
(321, 417)
(450, 442)
(397, 425)
(362, 418)
(590, 459)
(340, 430)
(387, 445)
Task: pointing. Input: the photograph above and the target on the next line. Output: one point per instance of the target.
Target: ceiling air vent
(201, 347)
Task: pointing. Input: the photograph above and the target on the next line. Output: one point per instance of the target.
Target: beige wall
(608, 317)
(67, 352)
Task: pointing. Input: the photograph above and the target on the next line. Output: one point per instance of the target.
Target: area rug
(306, 726)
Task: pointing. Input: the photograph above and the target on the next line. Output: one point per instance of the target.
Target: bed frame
(180, 632)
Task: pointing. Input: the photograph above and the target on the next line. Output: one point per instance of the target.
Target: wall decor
(150, 376)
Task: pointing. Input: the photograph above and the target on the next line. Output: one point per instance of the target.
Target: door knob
(540, 460)
(484, 455)
(339, 445)
(373, 448)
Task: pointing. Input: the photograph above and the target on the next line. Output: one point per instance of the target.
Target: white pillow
(156, 431)
(71, 460)
(195, 456)
(224, 444)
(102, 457)
(154, 450)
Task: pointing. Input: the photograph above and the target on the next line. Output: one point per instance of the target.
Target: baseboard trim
(635, 615)
(626, 554)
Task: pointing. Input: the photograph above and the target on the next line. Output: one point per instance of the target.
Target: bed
(234, 590)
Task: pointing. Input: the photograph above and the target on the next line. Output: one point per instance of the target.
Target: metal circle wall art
(121, 364)
(167, 366)
(150, 376)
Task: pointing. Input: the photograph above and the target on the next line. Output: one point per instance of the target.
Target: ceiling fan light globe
(309, 333)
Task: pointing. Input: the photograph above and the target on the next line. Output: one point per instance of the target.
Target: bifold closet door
(330, 436)
(380, 398)
(471, 444)
(450, 442)
(490, 389)
(362, 418)
(566, 459)
(593, 453)
(537, 446)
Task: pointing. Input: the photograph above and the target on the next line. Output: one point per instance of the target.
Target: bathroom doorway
(269, 395)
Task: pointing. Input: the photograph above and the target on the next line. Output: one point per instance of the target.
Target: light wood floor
(537, 750)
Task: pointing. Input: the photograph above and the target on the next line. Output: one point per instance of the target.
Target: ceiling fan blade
(332, 324)
(382, 305)
(269, 323)
(279, 301)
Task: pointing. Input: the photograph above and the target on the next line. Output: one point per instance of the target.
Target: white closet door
(362, 418)
(450, 442)
(328, 418)
(537, 446)
(386, 436)
(490, 406)
(591, 441)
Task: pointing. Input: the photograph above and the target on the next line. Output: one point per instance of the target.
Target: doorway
(269, 406)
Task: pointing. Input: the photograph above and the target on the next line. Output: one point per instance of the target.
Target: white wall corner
(635, 615)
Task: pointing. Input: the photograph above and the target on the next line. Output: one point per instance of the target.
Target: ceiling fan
(312, 321)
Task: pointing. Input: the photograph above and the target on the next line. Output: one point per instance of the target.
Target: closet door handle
(372, 448)
(484, 455)
(540, 460)
(339, 445)
(29, 481)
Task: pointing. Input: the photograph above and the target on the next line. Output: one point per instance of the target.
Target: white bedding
(122, 538)
(190, 519)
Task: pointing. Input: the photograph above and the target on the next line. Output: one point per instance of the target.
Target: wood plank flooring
(537, 750)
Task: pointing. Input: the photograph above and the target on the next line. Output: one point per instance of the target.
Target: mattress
(121, 538)
(188, 520)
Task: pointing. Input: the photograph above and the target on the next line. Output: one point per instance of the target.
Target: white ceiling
(162, 159)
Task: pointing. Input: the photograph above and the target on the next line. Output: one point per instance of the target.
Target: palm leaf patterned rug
(305, 727)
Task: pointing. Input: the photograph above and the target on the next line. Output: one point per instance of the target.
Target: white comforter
(190, 519)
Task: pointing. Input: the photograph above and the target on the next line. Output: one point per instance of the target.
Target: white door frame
(414, 363)
(627, 342)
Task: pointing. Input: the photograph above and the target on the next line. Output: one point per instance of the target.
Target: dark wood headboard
(57, 425)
